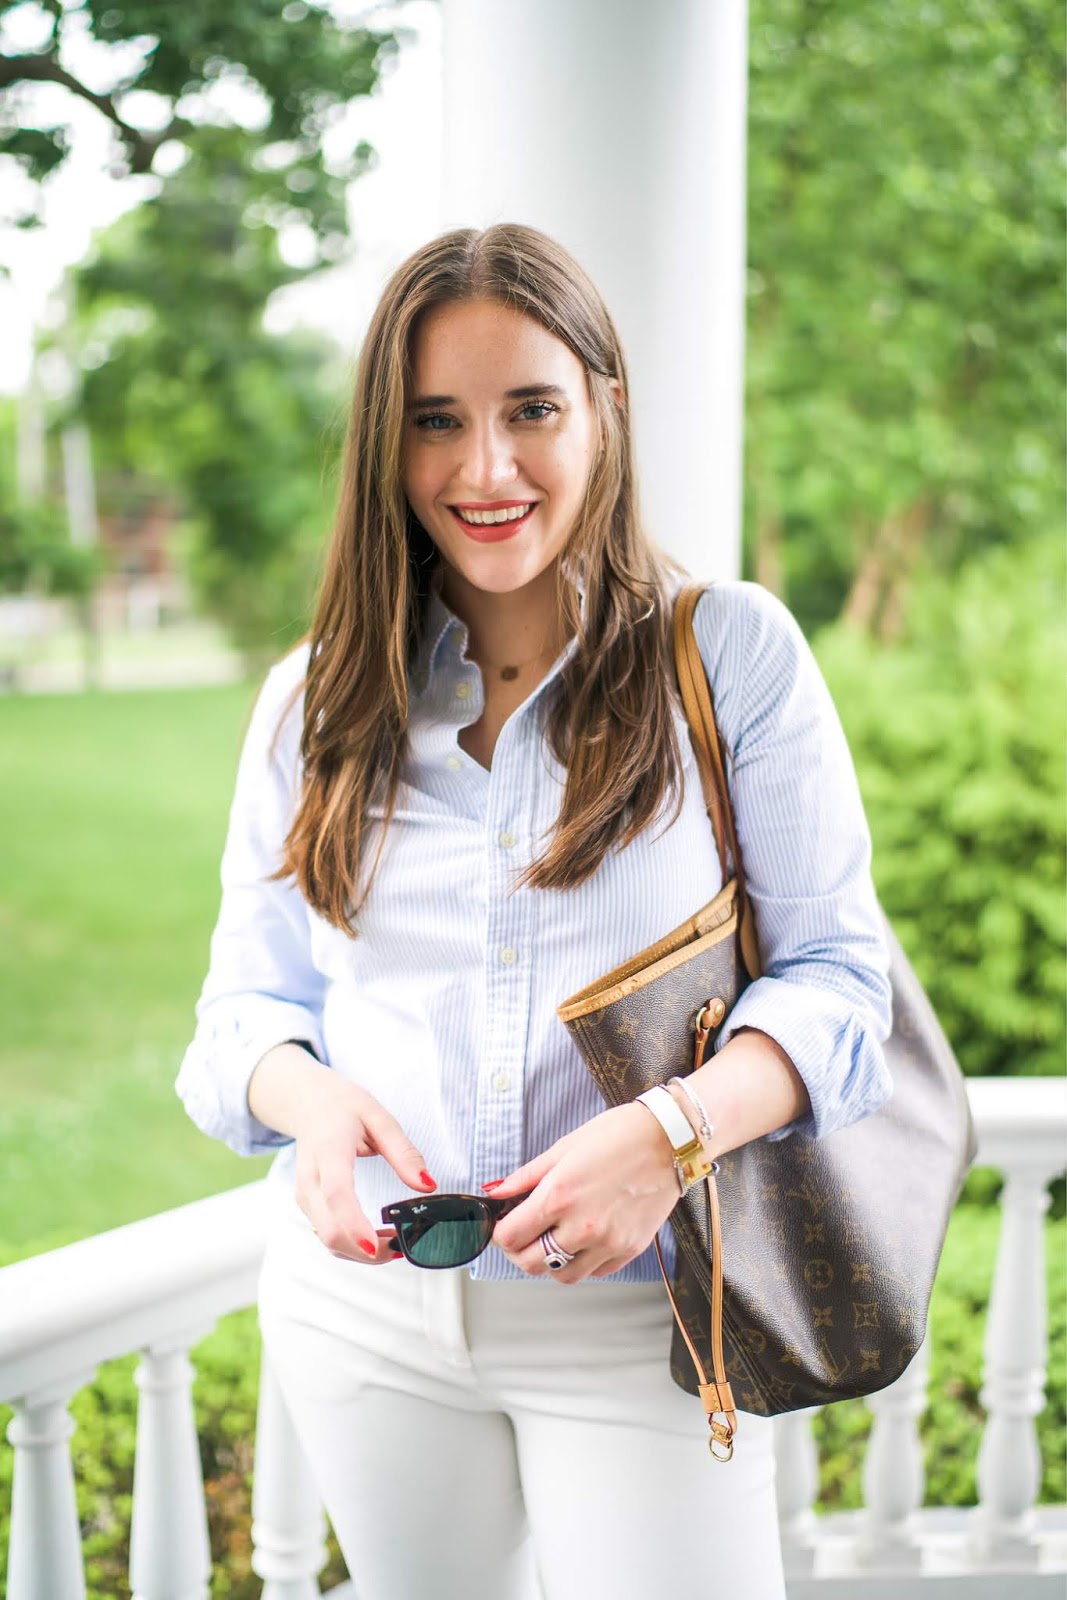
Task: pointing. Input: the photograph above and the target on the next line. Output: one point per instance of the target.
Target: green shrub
(958, 734)
(36, 554)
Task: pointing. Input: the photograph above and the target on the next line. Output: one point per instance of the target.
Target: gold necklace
(511, 671)
(509, 674)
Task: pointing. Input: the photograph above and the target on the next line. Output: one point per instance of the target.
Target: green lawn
(113, 812)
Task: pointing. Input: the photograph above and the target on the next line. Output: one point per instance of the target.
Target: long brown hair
(610, 723)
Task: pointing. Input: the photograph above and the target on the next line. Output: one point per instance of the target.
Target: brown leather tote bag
(804, 1269)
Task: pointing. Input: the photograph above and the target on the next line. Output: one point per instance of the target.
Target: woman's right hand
(334, 1122)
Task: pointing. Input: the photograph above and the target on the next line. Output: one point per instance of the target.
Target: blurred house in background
(143, 586)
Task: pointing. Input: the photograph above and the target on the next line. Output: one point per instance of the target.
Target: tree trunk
(768, 564)
(877, 600)
(909, 527)
(89, 629)
(865, 596)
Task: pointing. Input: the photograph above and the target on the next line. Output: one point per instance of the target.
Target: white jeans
(510, 1441)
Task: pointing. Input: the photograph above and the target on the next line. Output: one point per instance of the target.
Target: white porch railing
(158, 1286)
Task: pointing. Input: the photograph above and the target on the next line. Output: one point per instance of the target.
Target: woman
(469, 795)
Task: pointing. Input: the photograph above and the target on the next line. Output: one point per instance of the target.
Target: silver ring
(555, 1255)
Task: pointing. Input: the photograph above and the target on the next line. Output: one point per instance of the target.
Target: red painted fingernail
(431, 1183)
(494, 1185)
(368, 1247)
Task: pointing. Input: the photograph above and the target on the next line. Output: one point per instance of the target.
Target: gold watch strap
(690, 1161)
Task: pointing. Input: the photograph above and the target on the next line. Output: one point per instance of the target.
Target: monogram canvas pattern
(829, 1246)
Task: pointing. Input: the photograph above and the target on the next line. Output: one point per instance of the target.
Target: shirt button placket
(498, 1143)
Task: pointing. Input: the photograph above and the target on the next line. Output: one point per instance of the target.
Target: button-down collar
(446, 636)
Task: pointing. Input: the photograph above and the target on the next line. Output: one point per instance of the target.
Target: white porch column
(618, 127)
(169, 1554)
(894, 1474)
(44, 1555)
(288, 1526)
(1004, 1529)
(797, 1487)
(1023, 1136)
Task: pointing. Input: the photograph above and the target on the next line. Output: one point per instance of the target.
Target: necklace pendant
(509, 673)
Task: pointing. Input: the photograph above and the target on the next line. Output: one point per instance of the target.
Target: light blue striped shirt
(444, 1007)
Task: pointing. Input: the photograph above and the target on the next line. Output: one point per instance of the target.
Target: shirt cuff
(213, 1079)
(829, 1040)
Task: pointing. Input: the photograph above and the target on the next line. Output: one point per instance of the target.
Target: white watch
(691, 1164)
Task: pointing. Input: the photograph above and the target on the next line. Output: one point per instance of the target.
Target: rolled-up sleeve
(824, 993)
(262, 987)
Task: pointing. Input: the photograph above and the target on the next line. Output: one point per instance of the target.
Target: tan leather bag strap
(700, 714)
(716, 1397)
(704, 741)
(715, 1394)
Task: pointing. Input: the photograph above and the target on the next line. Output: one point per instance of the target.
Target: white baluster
(894, 1475)
(798, 1489)
(1009, 1462)
(44, 1554)
(170, 1557)
(288, 1527)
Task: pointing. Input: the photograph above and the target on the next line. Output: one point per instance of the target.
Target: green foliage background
(906, 292)
(958, 733)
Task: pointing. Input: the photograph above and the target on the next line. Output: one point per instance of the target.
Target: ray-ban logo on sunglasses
(446, 1230)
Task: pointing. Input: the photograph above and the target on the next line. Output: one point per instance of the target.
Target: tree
(298, 64)
(187, 388)
(181, 382)
(906, 311)
(36, 554)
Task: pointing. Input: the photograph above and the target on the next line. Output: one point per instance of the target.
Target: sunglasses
(446, 1230)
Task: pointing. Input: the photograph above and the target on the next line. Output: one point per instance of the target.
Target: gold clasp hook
(722, 1435)
(709, 1016)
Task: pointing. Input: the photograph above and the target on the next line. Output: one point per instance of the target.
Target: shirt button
(509, 956)
(507, 841)
(463, 691)
(501, 1082)
(453, 763)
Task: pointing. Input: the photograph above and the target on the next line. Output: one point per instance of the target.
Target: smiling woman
(469, 397)
(506, 465)
(497, 481)
(479, 765)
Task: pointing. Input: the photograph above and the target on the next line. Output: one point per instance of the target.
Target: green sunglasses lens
(445, 1233)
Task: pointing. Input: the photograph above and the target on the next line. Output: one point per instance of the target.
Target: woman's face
(499, 417)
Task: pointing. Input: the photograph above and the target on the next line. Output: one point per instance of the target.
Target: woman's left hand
(604, 1190)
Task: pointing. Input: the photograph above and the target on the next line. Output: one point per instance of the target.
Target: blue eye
(429, 419)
